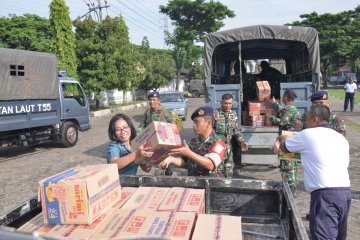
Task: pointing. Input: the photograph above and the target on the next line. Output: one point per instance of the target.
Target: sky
(143, 18)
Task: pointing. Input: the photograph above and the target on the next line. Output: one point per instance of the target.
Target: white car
(175, 101)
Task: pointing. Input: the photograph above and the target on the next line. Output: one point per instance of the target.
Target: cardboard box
(161, 137)
(158, 225)
(181, 226)
(134, 224)
(209, 226)
(254, 108)
(184, 200)
(36, 224)
(113, 224)
(263, 90)
(79, 195)
(86, 231)
(289, 156)
(146, 198)
(61, 230)
(126, 193)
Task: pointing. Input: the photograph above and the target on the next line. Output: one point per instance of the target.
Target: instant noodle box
(79, 195)
(161, 137)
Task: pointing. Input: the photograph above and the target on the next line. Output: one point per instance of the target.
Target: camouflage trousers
(289, 171)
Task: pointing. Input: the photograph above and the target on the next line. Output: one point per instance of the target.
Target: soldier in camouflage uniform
(289, 119)
(205, 154)
(336, 123)
(226, 125)
(156, 112)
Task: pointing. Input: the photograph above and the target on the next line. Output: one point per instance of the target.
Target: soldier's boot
(294, 190)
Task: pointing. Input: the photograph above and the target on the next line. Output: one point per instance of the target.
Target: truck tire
(195, 94)
(70, 134)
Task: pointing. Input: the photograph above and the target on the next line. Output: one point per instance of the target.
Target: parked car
(175, 101)
(196, 87)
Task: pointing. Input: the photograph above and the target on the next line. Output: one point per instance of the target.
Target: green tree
(338, 34)
(158, 66)
(27, 32)
(197, 15)
(192, 20)
(62, 37)
(105, 56)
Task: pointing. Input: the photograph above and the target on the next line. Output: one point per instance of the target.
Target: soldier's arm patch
(216, 153)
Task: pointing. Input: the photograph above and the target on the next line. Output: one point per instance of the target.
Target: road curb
(107, 112)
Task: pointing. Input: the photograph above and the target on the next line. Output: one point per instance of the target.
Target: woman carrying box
(121, 131)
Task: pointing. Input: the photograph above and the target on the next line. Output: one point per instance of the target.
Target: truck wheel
(195, 93)
(69, 134)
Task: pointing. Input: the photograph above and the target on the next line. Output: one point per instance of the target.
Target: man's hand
(276, 146)
(244, 146)
(273, 100)
(184, 150)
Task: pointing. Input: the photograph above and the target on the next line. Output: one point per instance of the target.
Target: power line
(137, 13)
(141, 9)
(136, 24)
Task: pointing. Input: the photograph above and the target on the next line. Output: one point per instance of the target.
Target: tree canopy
(192, 20)
(62, 37)
(339, 36)
(27, 32)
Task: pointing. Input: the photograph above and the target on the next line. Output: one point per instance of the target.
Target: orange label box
(79, 195)
(161, 137)
(263, 90)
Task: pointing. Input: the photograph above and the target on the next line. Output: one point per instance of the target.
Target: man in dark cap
(156, 112)
(336, 123)
(206, 153)
(288, 119)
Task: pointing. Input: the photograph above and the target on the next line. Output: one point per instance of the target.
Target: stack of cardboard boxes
(260, 111)
(85, 203)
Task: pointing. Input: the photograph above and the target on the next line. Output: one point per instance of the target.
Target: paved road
(20, 171)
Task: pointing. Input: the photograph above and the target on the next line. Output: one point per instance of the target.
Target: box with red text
(79, 195)
(161, 137)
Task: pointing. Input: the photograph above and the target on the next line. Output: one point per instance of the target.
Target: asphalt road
(20, 170)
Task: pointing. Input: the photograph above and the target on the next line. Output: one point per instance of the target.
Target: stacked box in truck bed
(265, 207)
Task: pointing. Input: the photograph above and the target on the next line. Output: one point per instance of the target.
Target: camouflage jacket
(226, 125)
(288, 119)
(201, 147)
(161, 114)
(335, 122)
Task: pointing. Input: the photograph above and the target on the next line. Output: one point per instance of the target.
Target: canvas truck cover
(257, 37)
(28, 75)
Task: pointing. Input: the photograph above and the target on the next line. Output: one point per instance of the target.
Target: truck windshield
(74, 91)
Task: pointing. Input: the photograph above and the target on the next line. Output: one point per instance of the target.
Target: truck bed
(267, 208)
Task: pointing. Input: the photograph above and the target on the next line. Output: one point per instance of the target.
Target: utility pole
(96, 9)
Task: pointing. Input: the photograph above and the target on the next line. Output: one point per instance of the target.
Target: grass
(112, 106)
(340, 93)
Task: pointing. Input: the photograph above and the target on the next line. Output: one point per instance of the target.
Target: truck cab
(38, 104)
(232, 60)
(75, 109)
